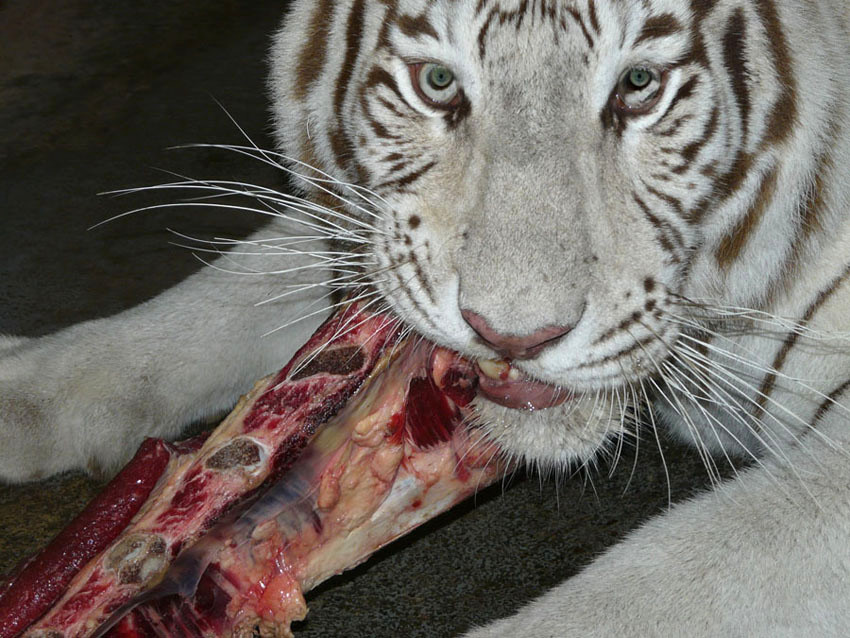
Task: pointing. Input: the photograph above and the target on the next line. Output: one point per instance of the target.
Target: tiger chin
(633, 215)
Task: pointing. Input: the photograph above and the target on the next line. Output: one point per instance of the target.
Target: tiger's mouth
(501, 383)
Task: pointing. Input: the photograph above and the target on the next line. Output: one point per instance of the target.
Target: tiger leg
(766, 555)
(86, 396)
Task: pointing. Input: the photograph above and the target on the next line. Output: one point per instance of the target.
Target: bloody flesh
(360, 438)
(41, 580)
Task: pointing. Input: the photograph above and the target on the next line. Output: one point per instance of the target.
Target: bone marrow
(359, 439)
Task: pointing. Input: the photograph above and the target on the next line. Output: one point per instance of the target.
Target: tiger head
(545, 183)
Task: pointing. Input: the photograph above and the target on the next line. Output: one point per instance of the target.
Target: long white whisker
(267, 155)
(268, 198)
(758, 429)
(785, 324)
(733, 379)
(249, 152)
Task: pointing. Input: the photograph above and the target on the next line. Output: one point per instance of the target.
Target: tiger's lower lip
(521, 393)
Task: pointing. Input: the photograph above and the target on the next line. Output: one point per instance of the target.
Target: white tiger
(635, 202)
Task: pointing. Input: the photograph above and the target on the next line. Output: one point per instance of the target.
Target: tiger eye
(435, 83)
(639, 77)
(439, 77)
(638, 90)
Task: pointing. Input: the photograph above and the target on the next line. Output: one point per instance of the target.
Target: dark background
(91, 95)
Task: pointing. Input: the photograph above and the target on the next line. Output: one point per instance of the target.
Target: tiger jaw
(558, 424)
(597, 357)
(505, 385)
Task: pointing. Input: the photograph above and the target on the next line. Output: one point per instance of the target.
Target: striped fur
(535, 203)
(661, 182)
(699, 251)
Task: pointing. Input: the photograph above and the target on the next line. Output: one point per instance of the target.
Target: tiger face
(544, 184)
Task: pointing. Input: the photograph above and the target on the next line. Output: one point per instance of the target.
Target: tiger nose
(514, 346)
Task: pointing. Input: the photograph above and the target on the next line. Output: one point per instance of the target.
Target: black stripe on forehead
(537, 12)
(659, 26)
(311, 60)
(591, 12)
(416, 26)
(341, 144)
(784, 113)
(734, 47)
(576, 16)
(480, 6)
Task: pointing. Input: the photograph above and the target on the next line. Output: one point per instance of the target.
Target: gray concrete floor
(91, 95)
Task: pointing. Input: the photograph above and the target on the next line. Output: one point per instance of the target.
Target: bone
(300, 482)
(241, 453)
(280, 415)
(39, 582)
(339, 361)
(346, 496)
(138, 559)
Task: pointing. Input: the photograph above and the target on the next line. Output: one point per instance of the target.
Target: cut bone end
(242, 453)
(371, 438)
(139, 559)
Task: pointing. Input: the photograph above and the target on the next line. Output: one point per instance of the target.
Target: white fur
(87, 396)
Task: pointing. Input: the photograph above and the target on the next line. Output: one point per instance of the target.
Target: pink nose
(514, 346)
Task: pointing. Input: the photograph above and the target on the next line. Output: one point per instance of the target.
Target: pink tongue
(523, 393)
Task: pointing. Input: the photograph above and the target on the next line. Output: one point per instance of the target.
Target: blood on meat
(430, 418)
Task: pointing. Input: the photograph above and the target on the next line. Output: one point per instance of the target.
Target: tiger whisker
(702, 449)
(249, 209)
(322, 310)
(265, 156)
(269, 198)
(786, 324)
(757, 429)
(743, 385)
(287, 241)
(654, 429)
(681, 378)
(319, 184)
(343, 282)
(224, 188)
(245, 270)
(326, 257)
(766, 369)
(267, 153)
(637, 401)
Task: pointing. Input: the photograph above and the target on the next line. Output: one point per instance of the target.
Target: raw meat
(359, 439)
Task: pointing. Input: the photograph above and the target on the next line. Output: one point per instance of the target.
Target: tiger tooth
(493, 368)
(514, 374)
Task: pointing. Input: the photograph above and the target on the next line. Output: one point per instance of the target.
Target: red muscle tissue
(360, 438)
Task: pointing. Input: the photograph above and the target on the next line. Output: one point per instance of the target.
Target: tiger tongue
(519, 391)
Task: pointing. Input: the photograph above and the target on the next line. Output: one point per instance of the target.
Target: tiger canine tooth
(493, 368)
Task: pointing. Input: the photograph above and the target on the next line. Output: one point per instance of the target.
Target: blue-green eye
(639, 77)
(639, 89)
(439, 77)
(435, 84)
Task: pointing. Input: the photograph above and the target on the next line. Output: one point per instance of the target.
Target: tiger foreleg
(86, 396)
(764, 555)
